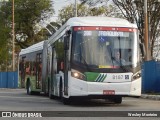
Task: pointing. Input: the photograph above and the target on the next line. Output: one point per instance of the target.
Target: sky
(59, 4)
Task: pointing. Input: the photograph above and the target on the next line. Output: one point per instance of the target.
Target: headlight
(136, 76)
(78, 75)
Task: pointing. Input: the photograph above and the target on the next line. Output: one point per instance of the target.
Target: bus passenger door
(52, 71)
(39, 71)
(66, 62)
(53, 80)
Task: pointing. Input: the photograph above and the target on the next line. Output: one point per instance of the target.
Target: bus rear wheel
(50, 91)
(29, 91)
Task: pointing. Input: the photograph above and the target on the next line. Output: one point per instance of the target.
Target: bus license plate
(108, 92)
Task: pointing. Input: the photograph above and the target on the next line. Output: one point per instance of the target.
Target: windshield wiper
(85, 63)
(120, 64)
(82, 58)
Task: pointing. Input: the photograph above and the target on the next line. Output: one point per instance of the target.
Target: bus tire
(29, 91)
(60, 90)
(66, 101)
(117, 100)
(51, 96)
(50, 91)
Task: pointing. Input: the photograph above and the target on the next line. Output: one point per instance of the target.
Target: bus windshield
(105, 47)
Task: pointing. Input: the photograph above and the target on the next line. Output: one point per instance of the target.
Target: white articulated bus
(33, 68)
(83, 61)
(88, 57)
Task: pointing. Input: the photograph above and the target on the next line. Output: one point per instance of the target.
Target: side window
(54, 60)
(27, 69)
(23, 73)
(49, 59)
(39, 70)
(31, 64)
(59, 49)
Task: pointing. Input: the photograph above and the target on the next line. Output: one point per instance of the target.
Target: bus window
(23, 72)
(38, 70)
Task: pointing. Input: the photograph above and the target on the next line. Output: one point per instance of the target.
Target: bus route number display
(104, 33)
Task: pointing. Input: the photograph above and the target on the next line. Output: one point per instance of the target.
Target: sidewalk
(152, 97)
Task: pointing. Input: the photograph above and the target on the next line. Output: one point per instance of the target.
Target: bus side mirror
(142, 47)
(66, 43)
(66, 40)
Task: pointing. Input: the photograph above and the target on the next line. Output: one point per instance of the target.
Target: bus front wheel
(50, 91)
(66, 101)
(117, 100)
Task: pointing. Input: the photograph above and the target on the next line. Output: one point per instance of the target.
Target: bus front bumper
(96, 89)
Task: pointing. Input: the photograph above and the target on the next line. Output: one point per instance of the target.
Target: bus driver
(118, 60)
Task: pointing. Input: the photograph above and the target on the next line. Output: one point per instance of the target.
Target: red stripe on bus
(105, 29)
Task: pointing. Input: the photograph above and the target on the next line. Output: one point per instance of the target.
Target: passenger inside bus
(118, 60)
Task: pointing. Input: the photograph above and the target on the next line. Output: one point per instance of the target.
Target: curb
(152, 97)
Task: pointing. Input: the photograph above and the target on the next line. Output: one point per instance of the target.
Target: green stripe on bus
(101, 77)
(105, 75)
(91, 76)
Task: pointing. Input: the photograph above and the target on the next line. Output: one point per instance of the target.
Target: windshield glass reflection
(104, 49)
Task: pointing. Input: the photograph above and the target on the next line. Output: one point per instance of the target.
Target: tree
(111, 10)
(133, 10)
(28, 13)
(93, 2)
(4, 41)
(82, 10)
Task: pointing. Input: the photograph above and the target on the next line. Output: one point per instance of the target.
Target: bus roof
(91, 21)
(99, 21)
(32, 48)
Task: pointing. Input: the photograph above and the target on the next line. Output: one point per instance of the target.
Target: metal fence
(8, 79)
(151, 77)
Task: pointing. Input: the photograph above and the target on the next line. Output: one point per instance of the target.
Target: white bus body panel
(33, 48)
(83, 88)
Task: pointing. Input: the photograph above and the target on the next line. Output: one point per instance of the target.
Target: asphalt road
(18, 100)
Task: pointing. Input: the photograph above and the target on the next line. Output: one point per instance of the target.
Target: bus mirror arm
(66, 39)
(68, 32)
(141, 45)
(66, 42)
